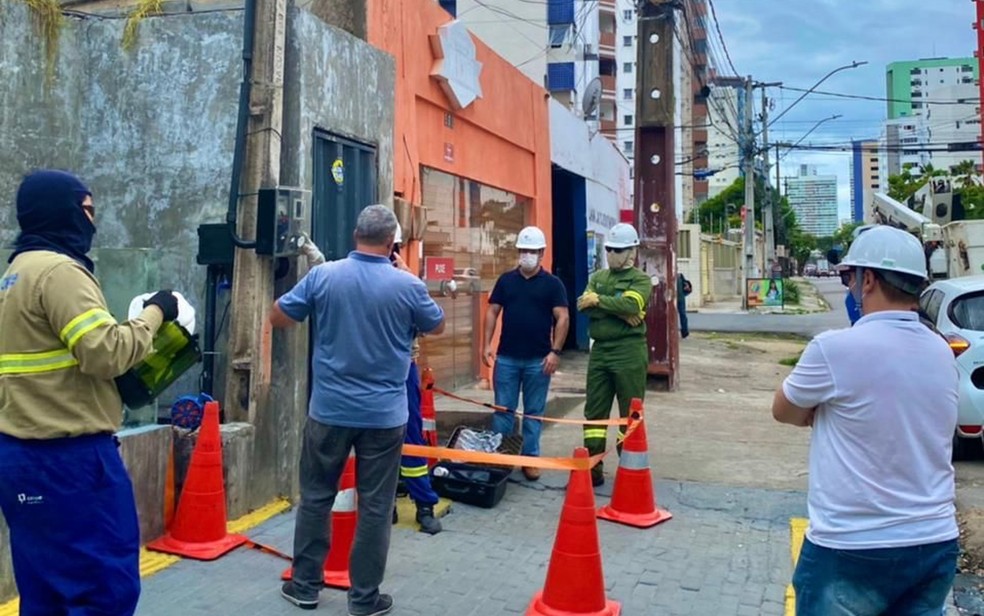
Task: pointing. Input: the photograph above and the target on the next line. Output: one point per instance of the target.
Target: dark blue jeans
(509, 377)
(74, 534)
(912, 581)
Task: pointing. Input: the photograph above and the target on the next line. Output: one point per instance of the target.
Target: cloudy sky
(797, 42)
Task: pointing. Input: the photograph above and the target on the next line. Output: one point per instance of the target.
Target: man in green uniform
(615, 301)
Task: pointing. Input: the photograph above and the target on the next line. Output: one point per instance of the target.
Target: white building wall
(953, 124)
(723, 153)
(587, 153)
(522, 40)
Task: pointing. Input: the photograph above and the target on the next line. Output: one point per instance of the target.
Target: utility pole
(979, 26)
(655, 206)
(248, 377)
(767, 205)
(748, 154)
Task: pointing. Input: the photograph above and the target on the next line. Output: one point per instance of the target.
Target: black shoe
(384, 605)
(396, 515)
(597, 480)
(289, 591)
(428, 523)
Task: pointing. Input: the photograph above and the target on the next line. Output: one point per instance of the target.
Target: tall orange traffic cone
(343, 518)
(427, 411)
(199, 527)
(633, 498)
(575, 580)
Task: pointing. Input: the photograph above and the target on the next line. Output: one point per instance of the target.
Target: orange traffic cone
(575, 580)
(427, 411)
(199, 527)
(343, 517)
(633, 498)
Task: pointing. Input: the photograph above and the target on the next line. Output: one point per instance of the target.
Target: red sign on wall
(438, 268)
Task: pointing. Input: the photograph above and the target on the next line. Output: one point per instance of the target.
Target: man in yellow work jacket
(64, 492)
(615, 301)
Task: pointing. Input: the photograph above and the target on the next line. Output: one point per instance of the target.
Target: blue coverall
(414, 470)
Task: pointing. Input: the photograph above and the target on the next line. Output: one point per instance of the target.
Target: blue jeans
(911, 581)
(511, 375)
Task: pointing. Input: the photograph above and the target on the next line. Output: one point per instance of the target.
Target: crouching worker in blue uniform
(64, 491)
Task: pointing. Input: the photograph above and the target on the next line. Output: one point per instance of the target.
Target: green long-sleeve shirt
(620, 292)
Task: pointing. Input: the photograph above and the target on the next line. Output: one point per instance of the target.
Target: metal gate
(344, 183)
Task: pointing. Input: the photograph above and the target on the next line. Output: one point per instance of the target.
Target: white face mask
(528, 262)
(621, 260)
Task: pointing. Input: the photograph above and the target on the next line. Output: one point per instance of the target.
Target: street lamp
(807, 134)
(854, 64)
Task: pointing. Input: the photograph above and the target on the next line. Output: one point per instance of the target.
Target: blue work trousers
(74, 534)
(414, 470)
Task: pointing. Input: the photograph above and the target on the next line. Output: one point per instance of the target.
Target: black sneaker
(289, 591)
(597, 480)
(428, 523)
(384, 605)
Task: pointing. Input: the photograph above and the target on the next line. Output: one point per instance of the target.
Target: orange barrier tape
(557, 464)
(621, 421)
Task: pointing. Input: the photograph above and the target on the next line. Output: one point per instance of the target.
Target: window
(627, 15)
(628, 120)
(628, 146)
(627, 94)
(967, 311)
(626, 67)
(559, 35)
(626, 41)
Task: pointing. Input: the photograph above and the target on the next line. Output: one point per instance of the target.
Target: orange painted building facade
(472, 172)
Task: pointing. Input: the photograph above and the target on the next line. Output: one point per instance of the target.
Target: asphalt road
(806, 325)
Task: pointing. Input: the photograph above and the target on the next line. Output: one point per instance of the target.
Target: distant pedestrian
(684, 288)
(366, 314)
(535, 318)
(615, 301)
(66, 496)
(881, 397)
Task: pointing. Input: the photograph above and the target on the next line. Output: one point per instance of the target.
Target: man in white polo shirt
(882, 400)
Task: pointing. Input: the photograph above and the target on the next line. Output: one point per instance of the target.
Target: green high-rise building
(910, 84)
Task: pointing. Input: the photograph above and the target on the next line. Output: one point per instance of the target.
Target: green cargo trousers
(615, 369)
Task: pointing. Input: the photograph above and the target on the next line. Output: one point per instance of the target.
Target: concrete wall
(152, 132)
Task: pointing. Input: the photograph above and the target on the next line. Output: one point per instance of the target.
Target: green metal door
(344, 184)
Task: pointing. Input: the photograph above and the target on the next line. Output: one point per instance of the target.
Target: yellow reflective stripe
(637, 297)
(601, 433)
(33, 363)
(83, 324)
(413, 471)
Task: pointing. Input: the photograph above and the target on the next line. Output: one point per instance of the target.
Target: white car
(956, 307)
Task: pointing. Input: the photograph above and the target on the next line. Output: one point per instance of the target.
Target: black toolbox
(482, 485)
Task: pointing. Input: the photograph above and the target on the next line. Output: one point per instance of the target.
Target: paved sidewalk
(726, 551)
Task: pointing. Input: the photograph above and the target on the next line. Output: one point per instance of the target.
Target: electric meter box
(280, 213)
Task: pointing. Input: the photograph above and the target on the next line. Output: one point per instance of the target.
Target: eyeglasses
(846, 278)
(617, 251)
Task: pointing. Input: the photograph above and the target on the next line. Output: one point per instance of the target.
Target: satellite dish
(592, 96)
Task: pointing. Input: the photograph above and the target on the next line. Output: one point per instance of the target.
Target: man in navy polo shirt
(535, 318)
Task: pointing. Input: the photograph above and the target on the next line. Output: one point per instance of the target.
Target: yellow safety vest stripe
(83, 324)
(413, 471)
(601, 433)
(637, 297)
(33, 363)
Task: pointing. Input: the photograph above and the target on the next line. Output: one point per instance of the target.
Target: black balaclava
(51, 218)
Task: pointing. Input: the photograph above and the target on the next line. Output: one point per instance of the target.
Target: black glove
(166, 301)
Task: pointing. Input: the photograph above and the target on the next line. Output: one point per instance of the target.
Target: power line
(969, 101)
(717, 26)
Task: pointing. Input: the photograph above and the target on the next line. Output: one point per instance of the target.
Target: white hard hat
(888, 249)
(398, 238)
(531, 238)
(186, 313)
(622, 235)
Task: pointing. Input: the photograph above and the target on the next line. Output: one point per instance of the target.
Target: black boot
(428, 523)
(396, 516)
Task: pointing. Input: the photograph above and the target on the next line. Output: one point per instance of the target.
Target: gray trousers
(324, 453)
